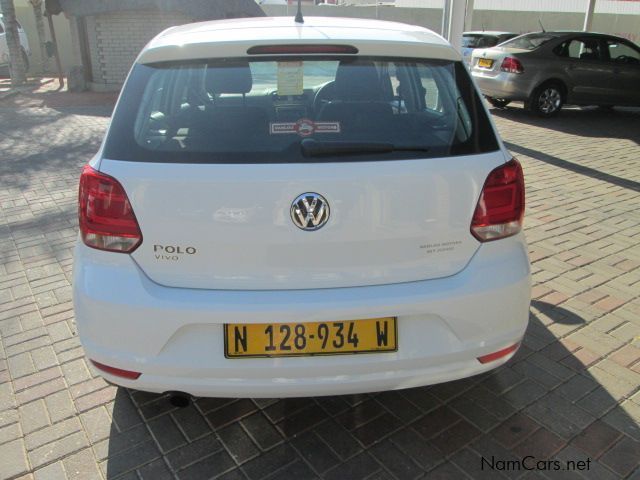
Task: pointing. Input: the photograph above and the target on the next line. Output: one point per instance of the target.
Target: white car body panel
(390, 222)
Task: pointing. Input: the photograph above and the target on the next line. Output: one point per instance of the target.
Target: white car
(4, 50)
(284, 209)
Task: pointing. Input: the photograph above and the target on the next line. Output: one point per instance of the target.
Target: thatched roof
(198, 9)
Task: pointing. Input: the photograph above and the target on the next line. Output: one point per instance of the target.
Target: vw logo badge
(310, 211)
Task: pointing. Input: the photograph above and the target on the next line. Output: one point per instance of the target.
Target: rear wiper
(314, 148)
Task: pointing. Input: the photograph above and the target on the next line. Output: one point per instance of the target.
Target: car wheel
(498, 102)
(546, 100)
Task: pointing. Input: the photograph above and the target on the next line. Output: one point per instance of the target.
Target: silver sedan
(548, 69)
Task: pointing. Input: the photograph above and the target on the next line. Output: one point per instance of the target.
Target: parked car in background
(549, 69)
(4, 49)
(473, 40)
(276, 211)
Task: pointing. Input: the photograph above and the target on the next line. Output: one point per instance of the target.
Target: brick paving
(570, 394)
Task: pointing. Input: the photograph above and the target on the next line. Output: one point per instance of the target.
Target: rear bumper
(174, 335)
(509, 86)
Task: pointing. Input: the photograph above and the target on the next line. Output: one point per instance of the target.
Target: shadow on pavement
(542, 405)
(574, 167)
(623, 123)
(45, 92)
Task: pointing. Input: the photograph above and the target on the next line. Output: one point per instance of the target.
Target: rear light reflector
(499, 354)
(106, 219)
(500, 207)
(299, 49)
(511, 65)
(118, 372)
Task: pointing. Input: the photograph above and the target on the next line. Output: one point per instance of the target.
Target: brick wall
(115, 39)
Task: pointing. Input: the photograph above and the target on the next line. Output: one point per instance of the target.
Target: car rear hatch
(212, 175)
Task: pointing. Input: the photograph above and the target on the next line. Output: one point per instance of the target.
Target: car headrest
(357, 80)
(235, 78)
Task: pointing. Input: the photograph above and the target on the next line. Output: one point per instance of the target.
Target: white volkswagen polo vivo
(284, 209)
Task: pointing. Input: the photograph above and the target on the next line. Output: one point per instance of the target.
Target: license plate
(485, 62)
(315, 338)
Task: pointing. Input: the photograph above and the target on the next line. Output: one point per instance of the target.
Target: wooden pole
(55, 51)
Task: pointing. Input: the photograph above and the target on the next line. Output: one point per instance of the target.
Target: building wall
(115, 39)
(626, 22)
(24, 12)
(623, 7)
(627, 26)
(426, 17)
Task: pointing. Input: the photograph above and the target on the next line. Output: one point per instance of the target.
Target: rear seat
(359, 103)
(224, 121)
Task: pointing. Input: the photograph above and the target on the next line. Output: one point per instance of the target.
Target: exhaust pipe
(179, 399)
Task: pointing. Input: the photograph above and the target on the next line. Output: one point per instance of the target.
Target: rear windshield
(275, 110)
(479, 41)
(529, 41)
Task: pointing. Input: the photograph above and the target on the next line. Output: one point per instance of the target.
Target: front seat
(358, 102)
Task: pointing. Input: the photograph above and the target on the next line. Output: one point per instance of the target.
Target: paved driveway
(571, 393)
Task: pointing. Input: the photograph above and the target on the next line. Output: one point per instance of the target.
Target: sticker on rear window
(304, 127)
(290, 78)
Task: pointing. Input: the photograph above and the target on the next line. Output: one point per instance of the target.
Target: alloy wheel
(549, 100)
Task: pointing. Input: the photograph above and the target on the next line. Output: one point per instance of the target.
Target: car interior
(210, 107)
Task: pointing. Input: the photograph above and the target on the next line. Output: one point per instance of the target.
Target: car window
(529, 41)
(580, 49)
(470, 41)
(479, 41)
(488, 41)
(620, 52)
(1, 28)
(260, 111)
(504, 38)
(430, 87)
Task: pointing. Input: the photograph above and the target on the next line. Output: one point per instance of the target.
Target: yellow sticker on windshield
(290, 76)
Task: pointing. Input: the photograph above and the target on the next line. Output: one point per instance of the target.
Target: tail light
(107, 221)
(500, 207)
(511, 65)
